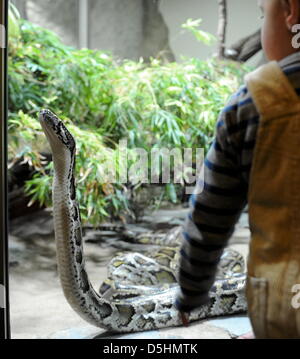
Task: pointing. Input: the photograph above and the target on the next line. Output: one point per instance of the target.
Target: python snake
(125, 307)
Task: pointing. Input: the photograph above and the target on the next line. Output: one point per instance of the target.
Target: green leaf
(171, 192)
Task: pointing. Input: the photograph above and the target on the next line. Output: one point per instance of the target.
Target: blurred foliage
(148, 104)
(13, 21)
(200, 35)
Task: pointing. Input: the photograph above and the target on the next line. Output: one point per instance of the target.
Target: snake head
(55, 131)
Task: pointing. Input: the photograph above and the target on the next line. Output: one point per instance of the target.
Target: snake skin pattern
(119, 307)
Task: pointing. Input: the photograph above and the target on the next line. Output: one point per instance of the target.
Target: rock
(39, 224)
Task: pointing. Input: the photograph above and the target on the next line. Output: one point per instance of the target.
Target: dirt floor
(38, 307)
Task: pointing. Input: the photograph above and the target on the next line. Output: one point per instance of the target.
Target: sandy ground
(39, 309)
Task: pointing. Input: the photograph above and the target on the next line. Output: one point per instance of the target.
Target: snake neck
(76, 285)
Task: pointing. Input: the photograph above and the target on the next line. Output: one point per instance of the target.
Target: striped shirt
(214, 212)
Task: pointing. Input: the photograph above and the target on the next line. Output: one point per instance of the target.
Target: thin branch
(222, 27)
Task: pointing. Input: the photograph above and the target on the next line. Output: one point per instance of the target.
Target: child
(247, 163)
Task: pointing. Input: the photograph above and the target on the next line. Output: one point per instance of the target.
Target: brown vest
(274, 206)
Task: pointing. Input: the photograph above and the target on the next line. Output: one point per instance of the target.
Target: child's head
(279, 18)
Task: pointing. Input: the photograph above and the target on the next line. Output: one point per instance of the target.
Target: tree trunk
(155, 33)
(222, 27)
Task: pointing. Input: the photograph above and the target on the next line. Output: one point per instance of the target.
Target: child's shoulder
(239, 109)
(291, 68)
(239, 119)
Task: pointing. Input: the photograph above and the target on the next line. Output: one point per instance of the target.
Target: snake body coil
(151, 309)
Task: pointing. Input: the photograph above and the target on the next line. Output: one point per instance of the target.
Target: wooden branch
(222, 27)
(245, 48)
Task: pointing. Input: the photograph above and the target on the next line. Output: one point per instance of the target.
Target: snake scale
(118, 307)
